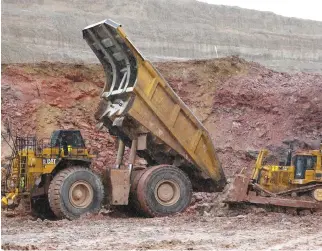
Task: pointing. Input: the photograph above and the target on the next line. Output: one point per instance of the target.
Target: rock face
(33, 31)
(46, 97)
(244, 106)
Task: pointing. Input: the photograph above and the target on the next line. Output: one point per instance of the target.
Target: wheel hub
(77, 194)
(81, 194)
(167, 192)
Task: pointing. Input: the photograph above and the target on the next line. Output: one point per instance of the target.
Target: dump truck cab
(67, 144)
(69, 137)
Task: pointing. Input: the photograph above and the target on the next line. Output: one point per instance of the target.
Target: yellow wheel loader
(296, 184)
(53, 177)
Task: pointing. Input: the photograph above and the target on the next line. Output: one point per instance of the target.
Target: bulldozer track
(299, 190)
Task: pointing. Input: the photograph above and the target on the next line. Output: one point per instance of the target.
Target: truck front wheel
(75, 191)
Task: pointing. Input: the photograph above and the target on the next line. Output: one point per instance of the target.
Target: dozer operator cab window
(303, 163)
(69, 138)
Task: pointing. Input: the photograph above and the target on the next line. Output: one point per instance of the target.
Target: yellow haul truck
(140, 108)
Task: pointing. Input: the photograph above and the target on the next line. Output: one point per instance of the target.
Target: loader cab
(302, 164)
(69, 137)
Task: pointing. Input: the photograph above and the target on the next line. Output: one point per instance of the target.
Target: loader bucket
(137, 101)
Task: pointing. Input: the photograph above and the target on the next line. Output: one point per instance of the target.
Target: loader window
(54, 141)
(72, 138)
(77, 140)
(303, 163)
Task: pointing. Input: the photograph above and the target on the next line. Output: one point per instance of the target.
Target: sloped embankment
(244, 105)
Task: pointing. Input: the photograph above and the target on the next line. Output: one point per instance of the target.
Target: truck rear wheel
(163, 190)
(75, 191)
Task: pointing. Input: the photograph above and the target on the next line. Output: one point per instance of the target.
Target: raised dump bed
(138, 104)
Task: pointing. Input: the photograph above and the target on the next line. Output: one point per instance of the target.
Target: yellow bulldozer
(52, 177)
(297, 183)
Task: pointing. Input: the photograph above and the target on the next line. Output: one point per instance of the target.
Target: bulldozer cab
(304, 164)
(307, 167)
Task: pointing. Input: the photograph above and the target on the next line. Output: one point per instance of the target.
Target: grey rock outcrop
(36, 30)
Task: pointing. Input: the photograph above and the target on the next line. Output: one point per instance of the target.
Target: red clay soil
(43, 97)
(244, 105)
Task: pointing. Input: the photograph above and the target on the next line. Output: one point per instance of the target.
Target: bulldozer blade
(240, 192)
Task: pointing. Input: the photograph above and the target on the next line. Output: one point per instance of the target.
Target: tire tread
(54, 195)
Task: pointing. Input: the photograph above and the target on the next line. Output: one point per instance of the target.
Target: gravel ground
(254, 231)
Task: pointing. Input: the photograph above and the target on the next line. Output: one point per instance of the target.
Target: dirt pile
(244, 105)
(38, 99)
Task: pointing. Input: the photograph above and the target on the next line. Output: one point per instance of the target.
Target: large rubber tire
(134, 204)
(175, 184)
(59, 192)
